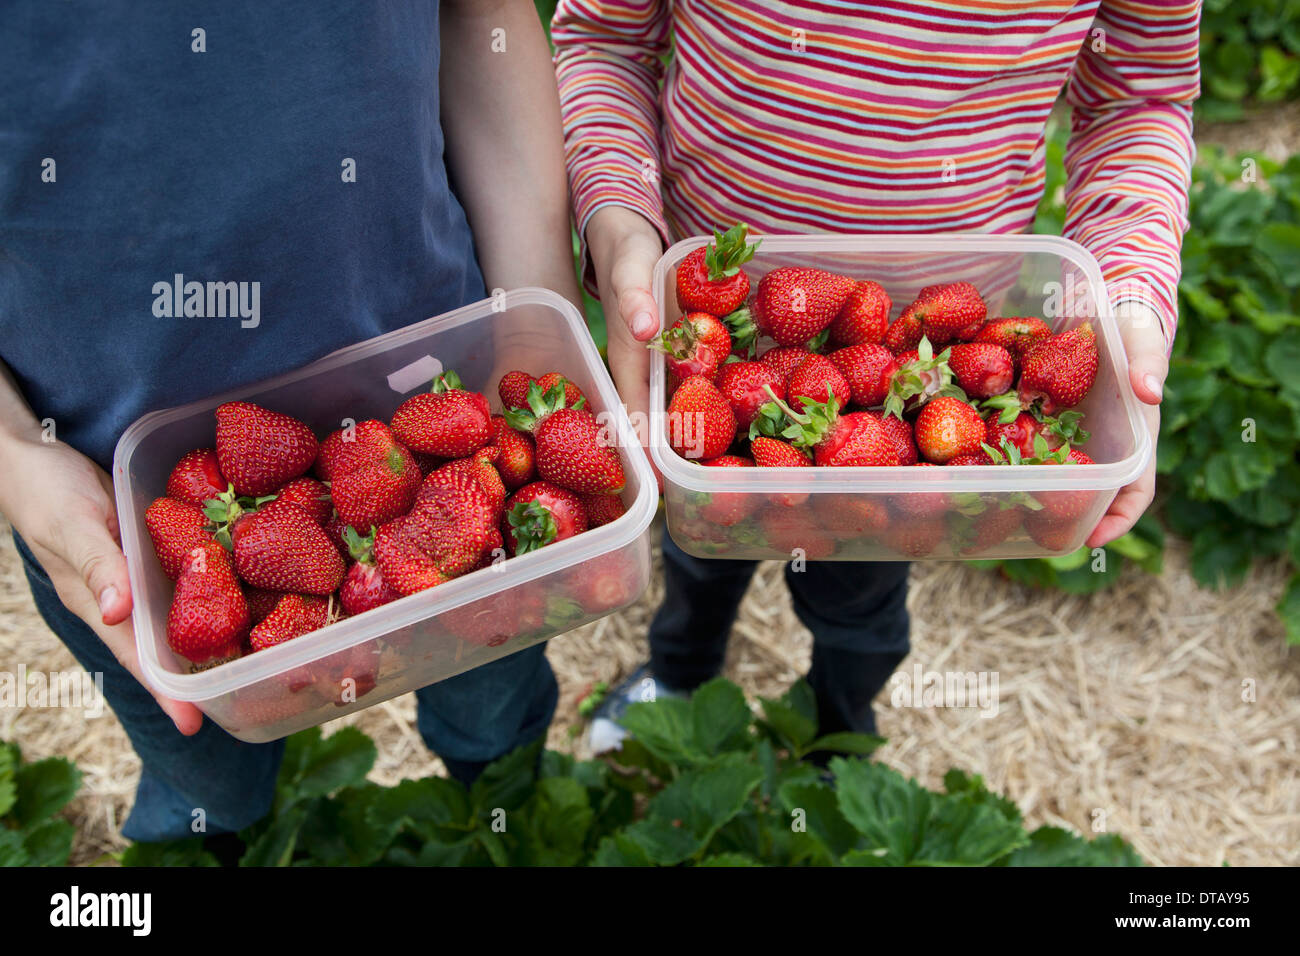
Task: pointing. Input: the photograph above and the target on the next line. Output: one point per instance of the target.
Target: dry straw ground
(1123, 708)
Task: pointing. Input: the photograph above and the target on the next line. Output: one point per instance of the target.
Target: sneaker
(605, 732)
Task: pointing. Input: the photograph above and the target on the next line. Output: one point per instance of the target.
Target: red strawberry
(921, 504)
(540, 514)
(696, 344)
(869, 369)
(981, 368)
(1019, 432)
(947, 310)
(208, 618)
(710, 279)
(863, 318)
(518, 462)
(449, 421)
(261, 602)
(991, 527)
(905, 333)
(364, 587)
(1051, 533)
(260, 450)
(196, 478)
(609, 583)
(335, 530)
(948, 427)
(309, 495)
(573, 397)
(513, 389)
(294, 615)
(969, 458)
(573, 451)
(602, 509)
(915, 538)
(427, 463)
(839, 440)
(816, 379)
(900, 433)
(701, 424)
(1065, 506)
(281, 548)
(1059, 370)
(1016, 335)
(789, 531)
(176, 529)
(744, 385)
(795, 304)
(481, 466)
(373, 479)
(539, 404)
(850, 516)
(921, 376)
(784, 361)
(775, 453)
(726, 508)
(449, 531)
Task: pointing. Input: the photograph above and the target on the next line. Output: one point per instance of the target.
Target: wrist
(611, 226)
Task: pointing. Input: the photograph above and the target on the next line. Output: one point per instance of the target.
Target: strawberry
(723, 507)
(1065, 506)
(513, 389)
(573, 397)
(863, 318)
(710, 278)
(373, 479)
(364, 587)
(921, 376)
(538, 405)
(294, 615)
(310, 495)
(839, 440)
(948, 427)
(775, 453)
(176, 528)
(196, 478)
(795, 304)
(788, 530)
(281, 548)
(949, 309)
(990, 528)
(970, 458)
(899, 431)
(1019, 432)
(261, 602)
(481, 466)
(816, 379)
(427, 463)
(540, 514)
(260, 450)
(850, 516)
(869, 369)
(1059, 370)
(573, 451)
(981, 368)
(1050, 533)
(336, 530)
(744, 384)
(449, 531)
(701, 424)
(1007, 420)
(1016, 335)
(518, 462)
(602, 509)
(784, 361)
(448, 421)
(921, 504)
(612, 582)
(905, 333)
(696, 344)
(915, 538)
(208, 618)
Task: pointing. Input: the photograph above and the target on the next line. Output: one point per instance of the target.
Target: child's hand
(624, 249)
(62, 504)
(1148, 364)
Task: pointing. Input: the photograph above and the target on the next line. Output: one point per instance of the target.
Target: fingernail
(643, 323)
(1153, 384)
(107, 598)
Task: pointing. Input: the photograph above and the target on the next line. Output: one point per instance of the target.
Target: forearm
(505, 151)
(16, 419)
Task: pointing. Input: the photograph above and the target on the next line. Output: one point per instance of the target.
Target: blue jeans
(468, 720)
(857, 612)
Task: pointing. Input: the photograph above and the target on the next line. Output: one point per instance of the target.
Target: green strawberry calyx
(540, 406)
(1009, 453)
(678, 341)
(925, 377)
(728, 252)
(532, 525)
(804, 429)
(744, 331)
(1007, 405)
(448, 381)
(224, 511)
(361, 547)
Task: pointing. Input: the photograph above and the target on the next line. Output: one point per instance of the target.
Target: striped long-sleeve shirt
(922, 116)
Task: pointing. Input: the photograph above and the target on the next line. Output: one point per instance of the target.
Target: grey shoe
(606, 733)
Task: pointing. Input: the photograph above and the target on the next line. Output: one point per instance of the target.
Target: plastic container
(432, 635)
(894, 513)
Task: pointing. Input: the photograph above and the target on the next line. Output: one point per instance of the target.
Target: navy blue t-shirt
(127, 158)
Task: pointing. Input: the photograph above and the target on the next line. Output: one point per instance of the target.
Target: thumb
(630, 281)
(98, 560)
(1148, 362)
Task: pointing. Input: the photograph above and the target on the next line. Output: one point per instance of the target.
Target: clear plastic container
(895, 513)
(432, 635)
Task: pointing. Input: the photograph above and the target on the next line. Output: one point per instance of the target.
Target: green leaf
(818, 807)
(343, 831)
(666, 728)
(427, 806)
(315, 765)
(276, 844)
(555, 823)
(188, 852)
(846, 742)
(621, 850)
(1288, 609)
(8, 789)
(12, 851)
(43, 788)
(971, 787)
(507, 782)
(49, 843)
(729, 859)
(720, 717)
(1053, 846)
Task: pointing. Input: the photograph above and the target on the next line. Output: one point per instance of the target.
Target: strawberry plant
(30, 796)
(704, 782)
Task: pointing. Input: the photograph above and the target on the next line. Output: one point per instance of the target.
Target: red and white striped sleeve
(1129, 159)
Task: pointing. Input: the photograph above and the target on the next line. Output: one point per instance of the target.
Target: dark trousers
(857, 612)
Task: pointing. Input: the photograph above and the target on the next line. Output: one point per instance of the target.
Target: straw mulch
(1122, 709)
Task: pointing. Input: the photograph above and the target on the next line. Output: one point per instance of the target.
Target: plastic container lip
(416, 607)
(902, 479)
